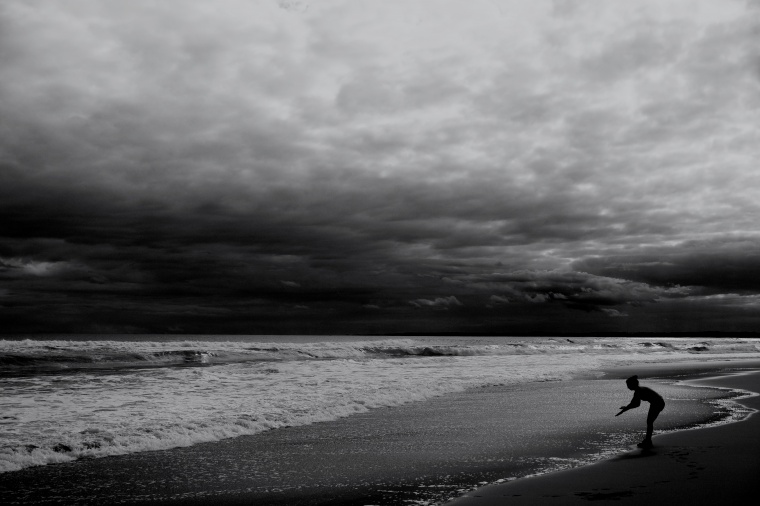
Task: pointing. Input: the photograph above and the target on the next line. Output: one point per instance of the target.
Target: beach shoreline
(717, 464)
(225, 472)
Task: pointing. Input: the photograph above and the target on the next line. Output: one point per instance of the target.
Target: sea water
(69, 397)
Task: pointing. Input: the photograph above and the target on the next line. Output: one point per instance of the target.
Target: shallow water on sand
(422, 452)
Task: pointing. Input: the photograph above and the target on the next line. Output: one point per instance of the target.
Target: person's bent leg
(654, 412)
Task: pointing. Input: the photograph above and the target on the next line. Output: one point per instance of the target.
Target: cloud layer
(345, 166)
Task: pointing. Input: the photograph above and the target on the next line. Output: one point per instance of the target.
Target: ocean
(64, 398)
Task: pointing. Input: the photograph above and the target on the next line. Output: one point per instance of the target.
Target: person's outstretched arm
(635, 403)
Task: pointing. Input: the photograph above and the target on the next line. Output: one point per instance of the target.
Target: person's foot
(647, 443)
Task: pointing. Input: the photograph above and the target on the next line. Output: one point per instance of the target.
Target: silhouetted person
(656, 404)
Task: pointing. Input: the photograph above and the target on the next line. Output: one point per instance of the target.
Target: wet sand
(708, 466)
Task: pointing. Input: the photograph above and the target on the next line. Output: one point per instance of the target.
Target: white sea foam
(66, 399)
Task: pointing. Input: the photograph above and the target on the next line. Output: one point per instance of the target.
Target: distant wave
(34, 357)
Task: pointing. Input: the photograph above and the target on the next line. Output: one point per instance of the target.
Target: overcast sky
(368, 166)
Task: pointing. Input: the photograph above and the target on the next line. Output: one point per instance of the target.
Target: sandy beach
(716, 465)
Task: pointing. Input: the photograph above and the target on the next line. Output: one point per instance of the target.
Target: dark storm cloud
(271, 167)
(728, 265)
(572, 289)
(440, 302)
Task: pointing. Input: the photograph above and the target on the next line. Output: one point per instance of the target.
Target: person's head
(632, 383)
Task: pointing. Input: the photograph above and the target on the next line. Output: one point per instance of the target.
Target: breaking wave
(35, 357)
